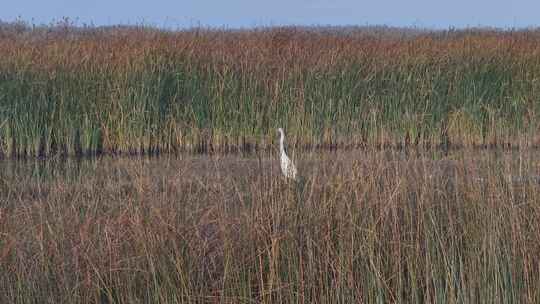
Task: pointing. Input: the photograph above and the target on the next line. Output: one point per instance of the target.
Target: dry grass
(363, 227)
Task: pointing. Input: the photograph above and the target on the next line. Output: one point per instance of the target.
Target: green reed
(139, 90)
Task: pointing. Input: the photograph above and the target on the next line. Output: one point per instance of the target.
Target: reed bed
(363, 227)
(136, 90)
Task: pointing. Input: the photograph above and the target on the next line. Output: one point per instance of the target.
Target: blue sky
(249, 13)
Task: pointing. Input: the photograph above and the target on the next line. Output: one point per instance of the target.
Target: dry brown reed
(363, 227)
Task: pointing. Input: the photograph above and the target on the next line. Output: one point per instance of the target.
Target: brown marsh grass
(362, 227)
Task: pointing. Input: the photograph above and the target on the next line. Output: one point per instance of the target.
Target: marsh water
(514, 164)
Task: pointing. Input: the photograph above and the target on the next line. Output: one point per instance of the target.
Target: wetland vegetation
(364, 227)
(132, 90)
(90, 214)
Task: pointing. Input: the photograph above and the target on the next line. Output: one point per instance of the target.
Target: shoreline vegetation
(136, 90)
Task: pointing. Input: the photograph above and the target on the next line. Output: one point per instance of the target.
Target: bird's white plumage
(287, 166)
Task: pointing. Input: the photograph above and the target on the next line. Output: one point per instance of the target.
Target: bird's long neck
(281, 144)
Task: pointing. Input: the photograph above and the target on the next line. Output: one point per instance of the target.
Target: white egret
(287, 166)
